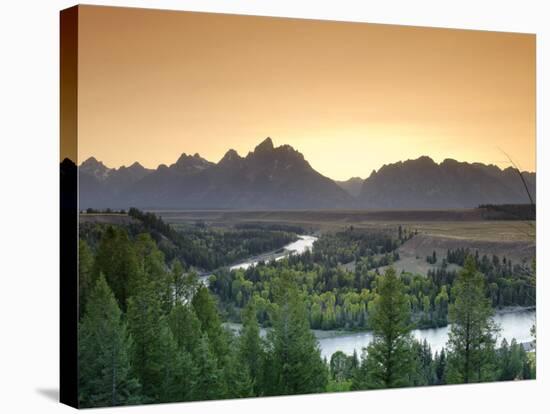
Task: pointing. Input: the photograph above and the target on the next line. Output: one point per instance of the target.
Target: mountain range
(281, 178)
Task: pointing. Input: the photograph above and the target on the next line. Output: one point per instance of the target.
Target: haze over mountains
(280, 178)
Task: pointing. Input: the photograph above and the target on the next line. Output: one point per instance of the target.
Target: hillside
(422, 183)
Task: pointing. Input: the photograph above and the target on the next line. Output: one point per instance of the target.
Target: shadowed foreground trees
(294, 364)
(252, 351)
(471, 345)
(389, 362)
(161, 339)
(105, 375)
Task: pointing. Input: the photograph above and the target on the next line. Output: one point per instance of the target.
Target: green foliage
(154, 346)
(294, 364)
(472, 334)
(341, 367)
(440, 367)
(513, 362)
(251, 348)
(389, 362)
(207, 313)
(178, 280)
(338, 386)
(236, 373)
(116, 259)
(359, 379)
(338, 308)
(153, 269)
(85, 275)
(105, 376)
(209, 378)
(149, 331)
(507, 284)
(424, 367)
(352, 245)
(206, 248)
(339, 297)
(185, 327)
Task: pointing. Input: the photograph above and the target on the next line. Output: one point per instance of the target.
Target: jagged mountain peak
(230, 156)
(265, 155)
(280, 178)
(95, 168)
(265, 145)
(91, 162)
(191, 163)
(135, 165)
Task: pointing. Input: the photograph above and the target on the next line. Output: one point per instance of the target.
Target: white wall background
(29, 134)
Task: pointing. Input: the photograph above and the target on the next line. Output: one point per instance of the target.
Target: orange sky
(350, 96)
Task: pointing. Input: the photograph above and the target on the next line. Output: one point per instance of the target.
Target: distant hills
(280, 178)
(422, 183)
(353, 185)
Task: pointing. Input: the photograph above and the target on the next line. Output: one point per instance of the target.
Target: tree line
(395, 359)
(338, 296)
(149, 331)
(199, 246)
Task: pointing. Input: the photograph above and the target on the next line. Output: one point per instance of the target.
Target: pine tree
(103, 350)
(117, 260)
(424, 367)
(440, 361)
(151, 262)
(389, 360)
(154, 347)
(472, 334)
(178, 281)
(294, 363)
(359, 377)
(513, 361)
(251, 348)
(236, 374)
(504, 361)
(185, 377)
(177, 371)
(207, 312)
(209, 380)
(85, 276)
(232, 376)
(185, 327)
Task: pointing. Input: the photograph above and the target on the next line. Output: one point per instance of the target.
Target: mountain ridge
(448, 184)
(279, 177)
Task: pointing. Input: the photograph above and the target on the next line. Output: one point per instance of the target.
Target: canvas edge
(68, 288)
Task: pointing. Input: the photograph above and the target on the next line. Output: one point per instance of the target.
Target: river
(298, 247)
(513, 324)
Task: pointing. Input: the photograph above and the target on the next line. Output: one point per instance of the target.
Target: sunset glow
(350, 97)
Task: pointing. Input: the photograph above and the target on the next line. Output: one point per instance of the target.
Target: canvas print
(256, 206)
